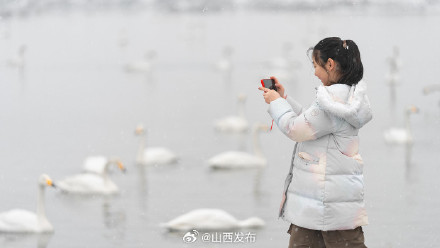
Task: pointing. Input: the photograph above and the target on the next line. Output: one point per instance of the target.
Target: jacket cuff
(278, 108)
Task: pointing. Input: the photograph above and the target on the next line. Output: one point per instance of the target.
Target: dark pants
(307, 238)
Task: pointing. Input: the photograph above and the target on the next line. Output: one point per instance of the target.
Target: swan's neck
(41, 212)
(241, 104)
(257, 147)
(408, 123)
(141, 148)
(105, 172)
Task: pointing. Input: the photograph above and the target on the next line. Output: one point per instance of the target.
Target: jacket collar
(345, 102)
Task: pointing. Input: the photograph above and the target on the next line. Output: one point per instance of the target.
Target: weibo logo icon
(190, 237)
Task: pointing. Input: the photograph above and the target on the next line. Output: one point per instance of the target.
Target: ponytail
(345, 53)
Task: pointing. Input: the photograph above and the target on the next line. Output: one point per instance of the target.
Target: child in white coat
(323, 197)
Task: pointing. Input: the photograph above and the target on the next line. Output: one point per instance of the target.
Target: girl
(323, 195)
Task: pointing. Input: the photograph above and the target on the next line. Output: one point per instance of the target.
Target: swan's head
(412, 110)
(140, 130)
(118, 163)
(45, 180)
(121, 166)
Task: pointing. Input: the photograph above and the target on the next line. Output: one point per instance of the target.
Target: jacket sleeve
(298, 124)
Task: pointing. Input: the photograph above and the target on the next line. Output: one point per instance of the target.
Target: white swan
(152, 155)
(392, 77)
(224, 64)
(19, 60)
(23, 221)
(234, 123)
(284, 61)
(394, 61)
(145, 65)
(401, 136)
(237, 159)
(431, 88)
(210, 219)
(284, 66)
(87, 183)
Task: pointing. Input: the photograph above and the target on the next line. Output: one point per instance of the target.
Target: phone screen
(268, 83)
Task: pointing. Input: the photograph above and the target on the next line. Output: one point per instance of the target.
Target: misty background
(77, 78)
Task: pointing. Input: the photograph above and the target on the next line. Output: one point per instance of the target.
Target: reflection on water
(25, 240)
(114, 221)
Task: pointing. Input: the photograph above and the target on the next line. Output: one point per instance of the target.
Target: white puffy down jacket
(324, 189)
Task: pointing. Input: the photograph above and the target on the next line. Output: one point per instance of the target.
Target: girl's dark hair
(345, 53)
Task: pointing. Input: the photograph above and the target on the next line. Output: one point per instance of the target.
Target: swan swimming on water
(24, 221)
(88, 183)
(401, 136)
(18, 61)
(234, 123)
(238, 159)
(224, 64)
(145, 65)
(152, 155)
(210, 219)
(431, 88)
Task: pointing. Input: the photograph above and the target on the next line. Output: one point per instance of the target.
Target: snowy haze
(72, 87)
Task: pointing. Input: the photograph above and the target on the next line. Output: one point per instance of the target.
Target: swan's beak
(50, 183)
(121, 166)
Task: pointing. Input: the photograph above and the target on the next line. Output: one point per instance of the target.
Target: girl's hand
(269, 95)
(279, 86)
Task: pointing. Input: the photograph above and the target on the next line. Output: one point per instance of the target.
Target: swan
(23, 221)
(392, 77)
(284, 62)
(210, 219)
(224, 64)
(88, 183)
(18, 61)
(401, 136)
(283, 66)
(152, 155)
(142, 66)
(238, 159)
(431, 88)
(234, 123)
(394, 61)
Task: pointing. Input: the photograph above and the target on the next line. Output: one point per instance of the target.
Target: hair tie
(344, 44)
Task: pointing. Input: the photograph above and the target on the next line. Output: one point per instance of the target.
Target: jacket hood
(346, 102)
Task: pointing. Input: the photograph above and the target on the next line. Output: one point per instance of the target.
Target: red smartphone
(269, 83)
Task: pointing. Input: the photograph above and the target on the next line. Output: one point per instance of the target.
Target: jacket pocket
(307, 158)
